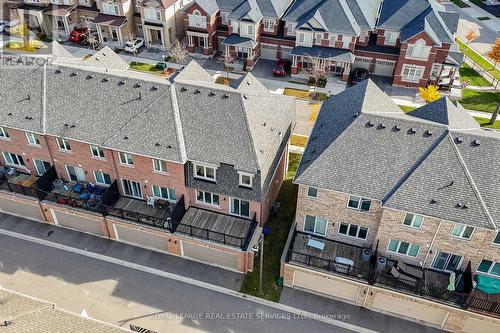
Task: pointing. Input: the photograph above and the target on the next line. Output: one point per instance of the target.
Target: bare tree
(316, 70)
(226, 58)
(178, 52)
(92, 40)
(494, 115)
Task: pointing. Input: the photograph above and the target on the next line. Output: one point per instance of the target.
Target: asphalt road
(123, 296)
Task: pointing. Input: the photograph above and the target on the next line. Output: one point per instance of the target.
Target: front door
(132, 188)
(75, 174)
(242, 53)
(446, 262)
(41, 166)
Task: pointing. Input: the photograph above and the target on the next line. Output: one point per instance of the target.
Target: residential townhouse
(410, 40)
(114, 22)
(190, 168)
(414, 189)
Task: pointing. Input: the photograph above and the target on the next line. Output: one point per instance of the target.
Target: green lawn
(304, 94)
(275, 242)
(480, 100)
(484, 122)
(142, 67)
(478, 59)
(407, 108)
(298, 140)
(467, 74)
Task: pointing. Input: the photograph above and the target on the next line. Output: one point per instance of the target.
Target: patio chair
(400, 276)
(415, 272)
(77, 188)
(151, 201)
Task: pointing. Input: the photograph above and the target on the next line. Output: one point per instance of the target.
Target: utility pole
(261, 262)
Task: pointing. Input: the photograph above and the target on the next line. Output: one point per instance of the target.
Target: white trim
(240, 200)
(36, 167)
(28, 134)
(4, 134)
(204, 166)
(447, 261)
(465, 226)
(410, 67)
(411, 225)
(102, 158)
(126, 162)
(493, 263)
(160, 161)
(104, 173)
(65, 143)
(204, 196)
(315, 221)
(361, 200)
(131, 196)
(407, 251)
(240, 176)
(168, 190)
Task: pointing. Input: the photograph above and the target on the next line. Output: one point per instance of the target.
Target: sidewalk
(118, 250)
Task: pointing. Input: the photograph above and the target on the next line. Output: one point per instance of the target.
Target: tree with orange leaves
(494, 52)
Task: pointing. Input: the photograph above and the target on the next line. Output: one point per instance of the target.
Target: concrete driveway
(304, 125)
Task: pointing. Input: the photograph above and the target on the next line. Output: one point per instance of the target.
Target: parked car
(79, 35)
(132, 46)
(281, 68)
(358, 75)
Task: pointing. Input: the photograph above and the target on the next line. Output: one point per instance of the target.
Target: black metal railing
(21, 189)
(152, 221)
(90, 204)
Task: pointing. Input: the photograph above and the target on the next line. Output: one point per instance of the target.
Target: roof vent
(459, 139)
(137, 85)
(248, 82)
(125, 138)
(183, 89)
(90, 76)
(121, 82)
(458, 205)
(58, 71)
(197, 91)
(396, 128)
(433, 201)
(412, 131)
(464, 206)
(72, 126)
(264, 124)
(428, 133)
(169, 146)
(73, 74)
(476, 142)
(355, 115)
(105, 79)
(370, 124)
(154, 88)
(211, 94)
(381, 126)
(261, 151)
(245, 96)
(66, 125)
(157, 144)
(28, 118)
(9, 114)
(225, 96)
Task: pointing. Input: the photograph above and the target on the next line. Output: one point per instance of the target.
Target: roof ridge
(249, 131)
(414, 167)
(178, 124)
(471, 181)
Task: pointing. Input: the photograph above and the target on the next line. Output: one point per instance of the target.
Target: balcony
(17, 182)
(78, 195)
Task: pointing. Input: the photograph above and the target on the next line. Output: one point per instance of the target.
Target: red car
(78, 35)
(279, 69)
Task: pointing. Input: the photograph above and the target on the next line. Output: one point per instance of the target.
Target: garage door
(31, 212)
(285, 53)
(409, 309)
(77, 222)
(268, 51)
(210, 256)
(325, 286)
(473, 325)
(384, 67)
(361, 62)
(140, 238)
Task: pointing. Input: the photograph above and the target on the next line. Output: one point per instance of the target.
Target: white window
(446, 262)
(246, 179)
(269, 25)
(315, 225)
(250, 30)
(462, 231)
(290, 27)
(204, 172)
(102, 178)
(497, 238)
(207, 198)
(41, 166)
(489, 267)
(363, 205)
(223, 17)
(108, 8)
(304, 38)
(126, 158)
(404, 248)
(160, 165)
(97, 152)
(418, 50)
(164, 193)
(75, 174)
(436, 69)
(132, 188)
(413, 220)
(14, 159)
(412, 73)
(196, 20)
(346, 40)
(3, 133)
(152, 14)
(240, 207)
(390, 37)
(353, 230)
(332, 39)
(63, 144)
(33, 139)
(312, 192)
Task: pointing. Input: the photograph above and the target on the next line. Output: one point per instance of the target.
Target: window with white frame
(63, 144)
(33, 139)
(332, 38)
(419, 50)
(204, 172)
(269, 25)
(4, 134)
(97, 152)
(164, 193)
(304, 38)
(436, 69)
(413, 220)
(197, 20)
(462, 231)
(353, 230)
(360, 204)
(390, 37)
(317, 38)
(403, 248)
(126, 158)
(109, 8)
(160, 165)
(41, 166)
(14, 159)
(346, 40)
(315, 225)
(246, 179)
(132, 188)
(412, 73)
(290, 28)
(496, 240)
(312, 192)
(207, 198)
(444, 261)
(223, 17)
(250, 30)
(240, 207)
(152, 14)
(102, 178)
(489, 267)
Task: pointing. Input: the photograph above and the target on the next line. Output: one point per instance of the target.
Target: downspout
(432, 243)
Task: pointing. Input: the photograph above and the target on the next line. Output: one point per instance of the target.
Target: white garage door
(140, 238)
(361, 62)
(210, 256)
(268, 51)
(325, 286)
(285, 53)
(384, 67)
(31, 212)
(77, 222)
(409, 309)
